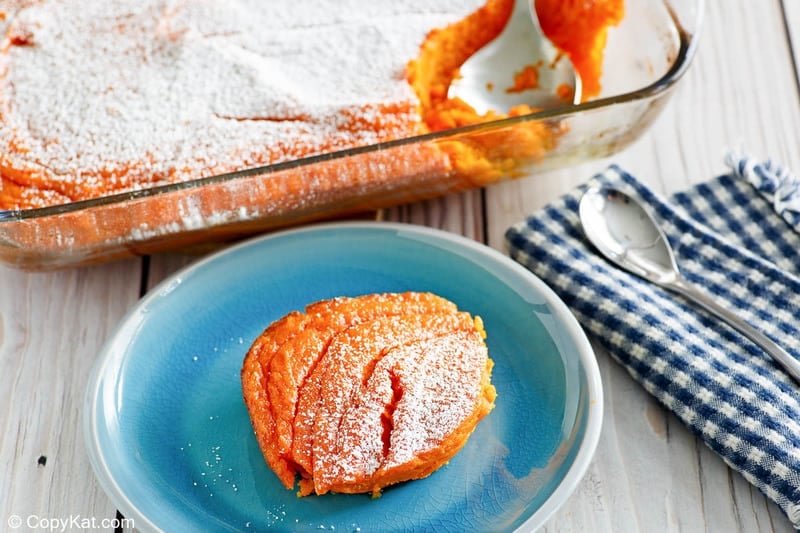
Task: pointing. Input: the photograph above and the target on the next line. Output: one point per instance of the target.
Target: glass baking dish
(645, 57)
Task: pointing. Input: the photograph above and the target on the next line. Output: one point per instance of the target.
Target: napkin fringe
(774, 181)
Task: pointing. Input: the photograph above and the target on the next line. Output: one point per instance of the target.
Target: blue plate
(171, 442)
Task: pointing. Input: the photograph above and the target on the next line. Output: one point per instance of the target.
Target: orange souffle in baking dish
(101, 97)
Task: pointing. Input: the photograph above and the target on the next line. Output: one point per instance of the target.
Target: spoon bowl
(487, 78)
(625, 233)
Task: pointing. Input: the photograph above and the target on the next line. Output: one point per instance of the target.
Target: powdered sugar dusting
(98, 96)
(282, 361)
(350, 416)
(383, 388)
(418, 394)
(355, 330)
(441, 384)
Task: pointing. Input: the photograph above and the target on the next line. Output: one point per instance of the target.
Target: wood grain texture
(52, 327)
(460, 213)
(791, 11)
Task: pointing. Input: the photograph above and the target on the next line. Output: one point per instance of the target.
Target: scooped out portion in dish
(359, 393)
(579, 28)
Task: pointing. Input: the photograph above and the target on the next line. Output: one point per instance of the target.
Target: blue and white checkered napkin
(738, 236)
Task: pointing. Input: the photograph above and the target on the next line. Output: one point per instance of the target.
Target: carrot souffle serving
(356, 394)
(100, 97)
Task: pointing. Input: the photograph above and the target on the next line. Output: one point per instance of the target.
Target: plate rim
(584, 352)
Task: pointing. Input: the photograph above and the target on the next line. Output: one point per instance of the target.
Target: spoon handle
(781, 356)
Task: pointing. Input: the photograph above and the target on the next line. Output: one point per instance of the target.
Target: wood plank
(460, 213)
(650, 473)
(791, 14)
(162, 266)
(52, 327)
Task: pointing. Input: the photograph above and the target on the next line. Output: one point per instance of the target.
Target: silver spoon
(491, 70)
(626, 234)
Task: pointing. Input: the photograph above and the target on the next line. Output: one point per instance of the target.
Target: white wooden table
(649, 473)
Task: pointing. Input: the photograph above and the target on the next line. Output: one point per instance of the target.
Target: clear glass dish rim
(678, 68)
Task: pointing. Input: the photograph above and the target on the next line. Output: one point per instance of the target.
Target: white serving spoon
(491, 70)
(627, 235)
